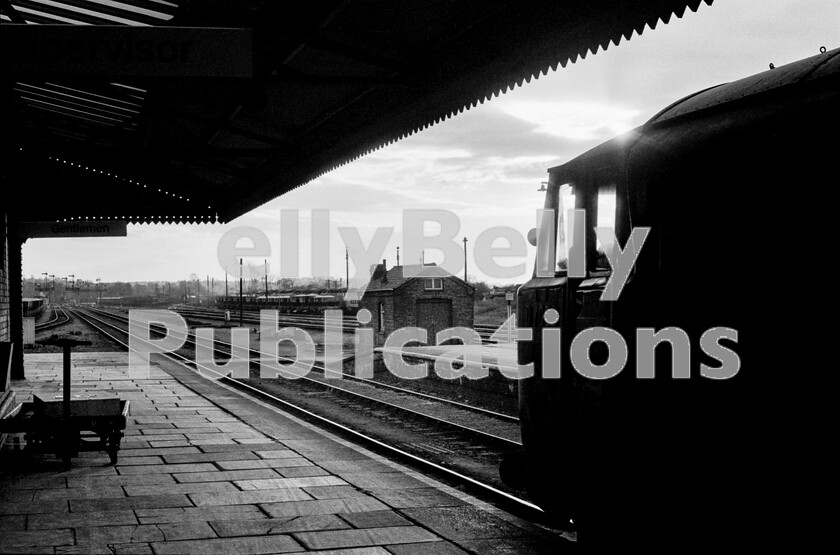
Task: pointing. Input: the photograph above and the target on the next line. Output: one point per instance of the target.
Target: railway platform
(205, 469)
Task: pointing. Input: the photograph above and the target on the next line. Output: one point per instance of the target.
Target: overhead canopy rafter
(326, 82)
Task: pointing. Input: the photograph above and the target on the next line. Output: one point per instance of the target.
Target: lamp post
(266, 278)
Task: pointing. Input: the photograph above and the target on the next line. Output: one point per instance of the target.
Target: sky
(486, 164)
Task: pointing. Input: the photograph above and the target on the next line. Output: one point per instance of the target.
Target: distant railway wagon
(132, 301)
(311, 302)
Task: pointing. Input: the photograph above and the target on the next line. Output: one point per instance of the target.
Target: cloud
(578, 121)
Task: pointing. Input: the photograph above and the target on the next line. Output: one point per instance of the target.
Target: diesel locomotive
(732, 184)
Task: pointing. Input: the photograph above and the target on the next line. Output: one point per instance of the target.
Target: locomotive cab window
(600, 206)
(605, 219)
(565, 202)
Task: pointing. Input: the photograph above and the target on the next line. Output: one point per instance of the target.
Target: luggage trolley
(67, 426)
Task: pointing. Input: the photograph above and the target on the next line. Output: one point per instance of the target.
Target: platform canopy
(168, 111)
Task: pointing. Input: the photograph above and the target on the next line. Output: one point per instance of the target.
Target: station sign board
(74, 229)
(119, 50)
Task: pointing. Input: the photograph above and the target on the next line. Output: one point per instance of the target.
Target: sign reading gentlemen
(103, 228)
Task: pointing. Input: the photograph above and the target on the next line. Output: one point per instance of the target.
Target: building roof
(398, 276)
(180, 111)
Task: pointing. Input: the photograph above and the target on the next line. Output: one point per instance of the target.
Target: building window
(381, 317)
(434, 284)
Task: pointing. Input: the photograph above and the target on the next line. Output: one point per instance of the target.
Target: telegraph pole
(240, 292)
(347, 266)
(47, 286)
(266, 278)
(465, 260)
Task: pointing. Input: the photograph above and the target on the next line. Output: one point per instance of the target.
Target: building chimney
(384, 271)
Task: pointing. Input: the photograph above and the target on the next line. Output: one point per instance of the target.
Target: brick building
(11, 321)
(433, 300)
(5, 312)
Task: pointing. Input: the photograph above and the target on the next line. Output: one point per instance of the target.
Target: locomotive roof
(721, 97)
(801, 71)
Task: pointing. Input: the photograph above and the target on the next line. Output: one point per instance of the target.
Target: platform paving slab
(332, 539)
(436, 548)
(225, 546)
(233, 528)
(374, 519)
(202, 469)
(300, 471)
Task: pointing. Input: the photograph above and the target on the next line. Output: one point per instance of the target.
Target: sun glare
(581, 121)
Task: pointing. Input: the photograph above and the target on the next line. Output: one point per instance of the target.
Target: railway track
(56, 320)
(467, 455)
(319, 376)
(336, 385)
(304, 321)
